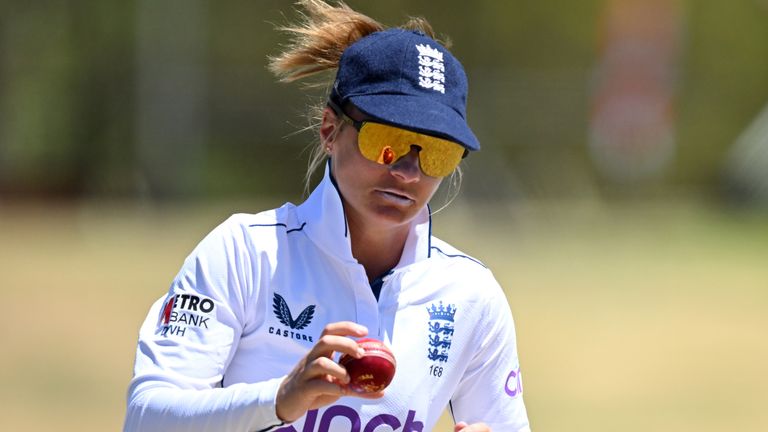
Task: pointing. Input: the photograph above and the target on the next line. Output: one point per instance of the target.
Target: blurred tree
(171, 110)
(172, 99)
(724, 85)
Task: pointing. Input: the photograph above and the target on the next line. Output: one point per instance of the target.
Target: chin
(394, 216)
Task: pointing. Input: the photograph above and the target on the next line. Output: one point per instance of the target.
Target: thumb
(459, 426)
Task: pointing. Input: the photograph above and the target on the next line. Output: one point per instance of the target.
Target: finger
(322, 393)
(474, 427)
(323, 367)
(323, 389)
(328, 344)
(376, 395)
(295, 396)
(345, 328)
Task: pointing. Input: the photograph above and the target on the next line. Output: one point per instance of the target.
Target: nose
(407, 167)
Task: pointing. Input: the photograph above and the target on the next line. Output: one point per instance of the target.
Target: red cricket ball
(373, 371)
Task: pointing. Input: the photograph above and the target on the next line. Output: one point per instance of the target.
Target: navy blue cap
(406, 79)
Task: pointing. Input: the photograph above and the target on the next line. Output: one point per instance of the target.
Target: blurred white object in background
(746, 168)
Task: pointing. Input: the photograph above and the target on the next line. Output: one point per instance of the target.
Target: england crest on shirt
(440, 331)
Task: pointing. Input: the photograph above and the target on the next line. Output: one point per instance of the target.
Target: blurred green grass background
(630, 317)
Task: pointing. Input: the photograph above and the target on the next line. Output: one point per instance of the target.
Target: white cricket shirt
(254, 296)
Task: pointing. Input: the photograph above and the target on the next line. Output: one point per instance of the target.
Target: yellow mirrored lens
(376, 139)
(440, 157)
(386, 144)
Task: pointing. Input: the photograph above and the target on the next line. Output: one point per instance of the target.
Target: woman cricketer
(248, 335)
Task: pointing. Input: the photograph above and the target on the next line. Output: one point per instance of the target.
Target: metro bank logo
(183, 311)
(340, 418)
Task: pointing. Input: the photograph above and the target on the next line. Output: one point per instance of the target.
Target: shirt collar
(326, 225)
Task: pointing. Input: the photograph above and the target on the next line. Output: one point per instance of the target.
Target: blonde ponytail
(323, 34)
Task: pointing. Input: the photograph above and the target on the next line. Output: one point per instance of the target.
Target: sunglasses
(385, 144)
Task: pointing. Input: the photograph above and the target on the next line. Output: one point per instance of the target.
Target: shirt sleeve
(187, 342)
(491, 389)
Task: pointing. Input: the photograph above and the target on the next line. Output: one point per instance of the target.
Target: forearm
(241, 407)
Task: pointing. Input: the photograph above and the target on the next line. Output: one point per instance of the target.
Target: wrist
(282, 407)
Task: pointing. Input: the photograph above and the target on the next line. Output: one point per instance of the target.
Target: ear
(329, 128)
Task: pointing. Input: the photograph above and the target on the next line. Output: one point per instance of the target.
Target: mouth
(396, 196)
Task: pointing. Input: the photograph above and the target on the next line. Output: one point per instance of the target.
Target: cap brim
(411, 112)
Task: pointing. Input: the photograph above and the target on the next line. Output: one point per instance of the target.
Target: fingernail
(360, 352)
(362, 328)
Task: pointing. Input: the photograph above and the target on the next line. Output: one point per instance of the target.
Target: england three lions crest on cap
(441, 331)
(431, 68)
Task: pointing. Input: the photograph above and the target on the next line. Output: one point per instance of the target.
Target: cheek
(350, 169)
(430, 185)
(341, 156)
(426, 189)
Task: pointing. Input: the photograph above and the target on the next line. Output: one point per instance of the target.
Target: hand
(317, 380)
(474, 427)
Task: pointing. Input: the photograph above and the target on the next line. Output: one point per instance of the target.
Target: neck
(377, 250)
